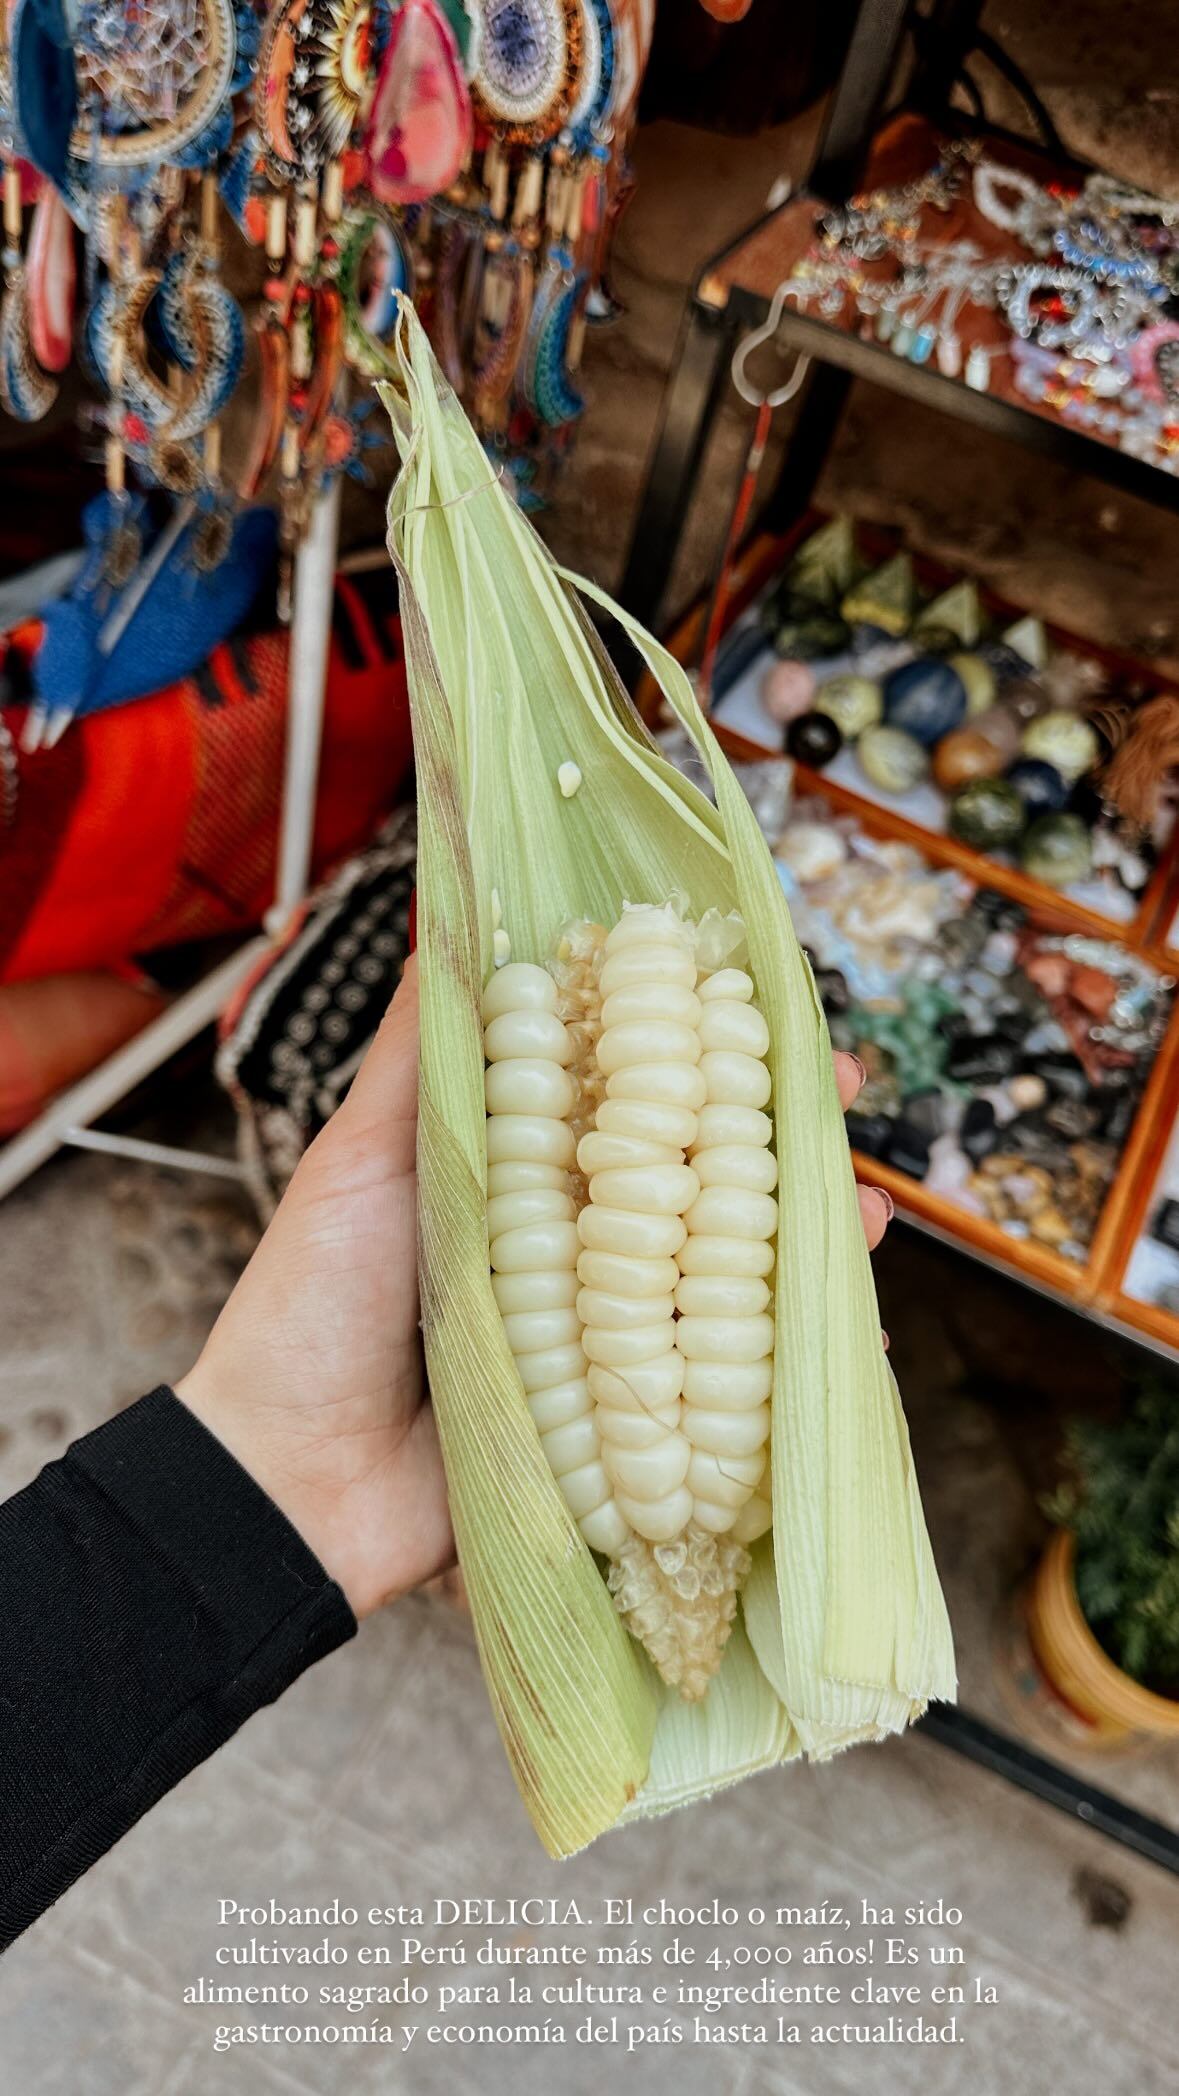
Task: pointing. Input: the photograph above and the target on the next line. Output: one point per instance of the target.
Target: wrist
(300, 1502)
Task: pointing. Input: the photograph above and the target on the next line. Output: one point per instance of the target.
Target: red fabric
(157, 821)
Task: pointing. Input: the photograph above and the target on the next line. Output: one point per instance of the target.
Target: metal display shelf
(1043, 1778)
(735, 291)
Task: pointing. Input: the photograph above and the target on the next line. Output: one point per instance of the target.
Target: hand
(313, 1375)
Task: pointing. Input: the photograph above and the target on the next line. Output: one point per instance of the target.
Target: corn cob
(544, 810)
(656, 1431)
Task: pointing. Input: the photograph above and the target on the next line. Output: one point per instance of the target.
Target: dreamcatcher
(470, 153)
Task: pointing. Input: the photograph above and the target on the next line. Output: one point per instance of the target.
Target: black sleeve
(151, 1598)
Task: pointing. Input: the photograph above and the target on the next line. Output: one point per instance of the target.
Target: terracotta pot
(1112, 1707)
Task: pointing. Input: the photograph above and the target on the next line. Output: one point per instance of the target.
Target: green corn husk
(844, 1633)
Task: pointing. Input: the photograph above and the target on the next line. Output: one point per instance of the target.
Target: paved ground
(380, 1776)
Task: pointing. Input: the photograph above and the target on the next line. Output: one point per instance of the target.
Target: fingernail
(884, 1338)
(890, 1206)
(861, 1067)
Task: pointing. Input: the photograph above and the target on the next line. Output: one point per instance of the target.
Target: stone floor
(380, 1775)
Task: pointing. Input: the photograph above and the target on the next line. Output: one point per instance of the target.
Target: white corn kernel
(569, 1447)
(738, 1164)
(531, 1250)
(634, 1002)
(598, 1152)
(529, 1085)
(528, 1033)
(726, 1255)
(670, 1083)
(648, 1120)
(728, 1339)
(530, 1137)
(642, 1429)
(514, 1174)
(642, 1386)
(718, 1127)
(755, 1519)
(734, 1080)
(624, 1277)
(656, 1520)
(621, 1349)
(585, 1488)
(529, 1204)
(560, 1403)
(735, 1385)
(723, 1480)
(725, 1434)
(731, 1211)
(726, 985)
(551, 1364)
(555, 1289)
(532, 1331)
(738, 1029)
(622, 1313)
(648, 1473)
(519, 987)
(647, 1041)
(720, 1295)
(633, 1235)
(654, 1189)
(605, 1528)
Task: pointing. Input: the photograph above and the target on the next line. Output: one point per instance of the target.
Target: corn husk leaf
(845, 1634)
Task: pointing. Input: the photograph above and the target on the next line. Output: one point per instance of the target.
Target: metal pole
(152, 1153)
(311, 626)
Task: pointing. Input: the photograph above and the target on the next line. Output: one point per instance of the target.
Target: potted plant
(1103, 1607)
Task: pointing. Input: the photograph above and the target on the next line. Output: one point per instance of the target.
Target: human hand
(313, 1375)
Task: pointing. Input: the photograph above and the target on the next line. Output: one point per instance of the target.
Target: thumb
(382, 1105)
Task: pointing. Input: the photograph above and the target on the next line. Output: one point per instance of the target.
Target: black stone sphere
(813, 739)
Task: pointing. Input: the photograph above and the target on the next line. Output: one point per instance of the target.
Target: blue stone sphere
(1041, 788)
(926, 698)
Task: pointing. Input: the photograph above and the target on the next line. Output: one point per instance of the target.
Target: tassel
(1139, 767)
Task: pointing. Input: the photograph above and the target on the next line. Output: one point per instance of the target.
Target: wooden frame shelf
(1095, 1284)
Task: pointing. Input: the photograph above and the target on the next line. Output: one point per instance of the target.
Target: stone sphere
(988, 814)
(979, 680)
(926, 698)
(891, 758)
(1041, 788)
(963, 755)
(1063, 739)
(788, 689)
(813, 739)
(1057, 850)
(853, 703)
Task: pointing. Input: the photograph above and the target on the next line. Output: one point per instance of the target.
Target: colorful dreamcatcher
(529, 68)
(470, 153)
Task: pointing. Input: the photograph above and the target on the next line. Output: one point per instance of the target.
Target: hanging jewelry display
(1083, 292)
(468, 152)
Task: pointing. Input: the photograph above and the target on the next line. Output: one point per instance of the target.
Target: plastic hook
(754, 340)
